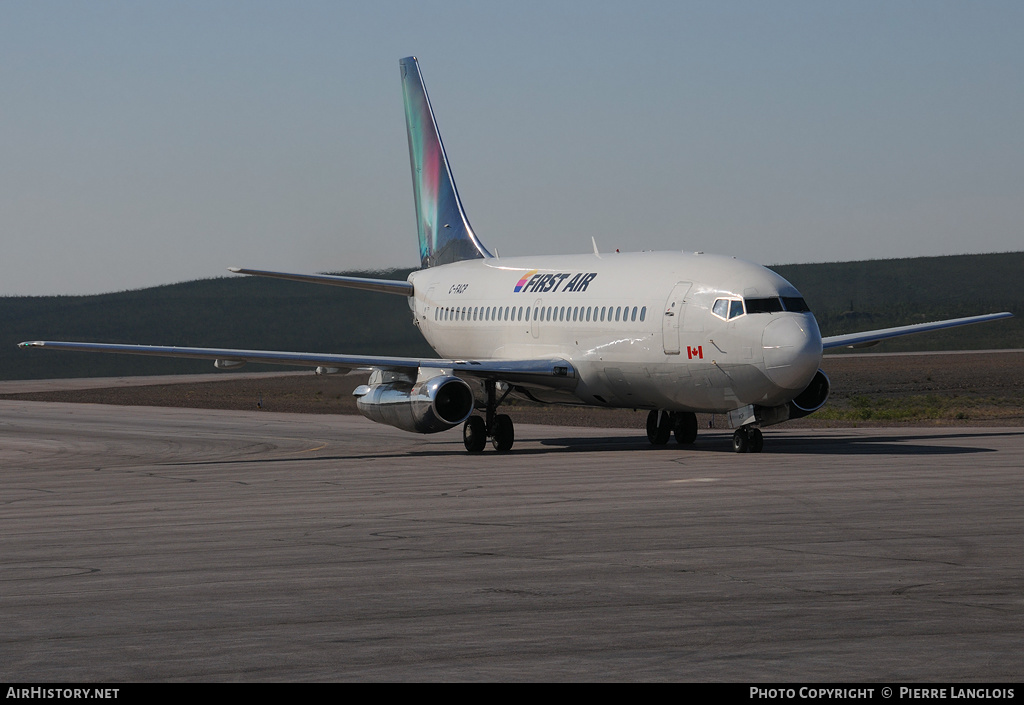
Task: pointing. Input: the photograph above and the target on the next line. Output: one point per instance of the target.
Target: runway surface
(179, 544)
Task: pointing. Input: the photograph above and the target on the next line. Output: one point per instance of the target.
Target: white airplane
(672, 332)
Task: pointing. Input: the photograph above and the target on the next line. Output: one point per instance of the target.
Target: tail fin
(445, 233)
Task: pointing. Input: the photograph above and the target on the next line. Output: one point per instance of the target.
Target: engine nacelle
(806, 402)
(812, 398)
(428, 406)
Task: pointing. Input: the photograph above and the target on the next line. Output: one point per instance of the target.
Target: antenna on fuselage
(595, 246)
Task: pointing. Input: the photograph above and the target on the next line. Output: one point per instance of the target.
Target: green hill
(847, 297)
(235, 312)
(252, 312)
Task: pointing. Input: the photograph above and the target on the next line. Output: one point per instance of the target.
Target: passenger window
(634, 314)
(643, 313)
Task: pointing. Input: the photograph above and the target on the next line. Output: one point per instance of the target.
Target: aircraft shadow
(812, 444)
(903, 444)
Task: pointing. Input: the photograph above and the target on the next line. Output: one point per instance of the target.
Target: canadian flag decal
(696, 352)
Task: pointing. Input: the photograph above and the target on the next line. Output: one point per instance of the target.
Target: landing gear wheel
(503, 433)
(659, 427)
(474, 434)
(685, 427)
(740, 441)
(747, 440)
(756, 440)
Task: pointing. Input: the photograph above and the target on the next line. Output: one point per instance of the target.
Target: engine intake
(428, 406)
(812, 398)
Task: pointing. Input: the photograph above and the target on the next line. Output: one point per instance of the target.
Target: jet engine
(425, 406)
(812, 398)
(806, 402)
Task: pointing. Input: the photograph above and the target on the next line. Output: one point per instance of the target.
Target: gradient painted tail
(445, 233)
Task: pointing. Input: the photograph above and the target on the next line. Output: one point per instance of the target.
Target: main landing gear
(497, 427)
(747, 439)
(662, 424)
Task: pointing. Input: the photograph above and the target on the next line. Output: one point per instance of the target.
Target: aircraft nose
(792, 350)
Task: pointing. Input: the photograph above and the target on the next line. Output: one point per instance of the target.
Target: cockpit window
(795, 303)
(727, 309)
(770, 305)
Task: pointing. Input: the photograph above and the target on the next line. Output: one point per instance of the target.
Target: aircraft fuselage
(640, 329)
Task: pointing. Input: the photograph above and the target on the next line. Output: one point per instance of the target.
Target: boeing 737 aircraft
(672, 332)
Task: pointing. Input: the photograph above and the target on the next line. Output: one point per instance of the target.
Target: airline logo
(522, 282)
(557, 282)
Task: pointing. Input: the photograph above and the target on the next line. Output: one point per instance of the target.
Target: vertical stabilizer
(445, 233)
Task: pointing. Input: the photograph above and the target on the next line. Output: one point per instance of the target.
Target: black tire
(659, 433)
(740, 441)
(474, 434)
(686, 427)
(503, 435)
(756, 440)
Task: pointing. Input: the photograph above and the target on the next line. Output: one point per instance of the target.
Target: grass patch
(927, 407)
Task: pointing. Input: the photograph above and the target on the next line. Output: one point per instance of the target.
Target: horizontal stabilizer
(868, 338)
(386, 286)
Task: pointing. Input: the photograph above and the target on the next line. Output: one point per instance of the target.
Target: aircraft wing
(873, 337)
(549, 373)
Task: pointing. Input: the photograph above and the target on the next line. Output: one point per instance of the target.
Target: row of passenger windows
(540, 313)
(731, 308)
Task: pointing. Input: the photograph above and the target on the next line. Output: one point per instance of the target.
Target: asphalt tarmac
(160, 544)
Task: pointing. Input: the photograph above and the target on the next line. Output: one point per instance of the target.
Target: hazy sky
(145, 143)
